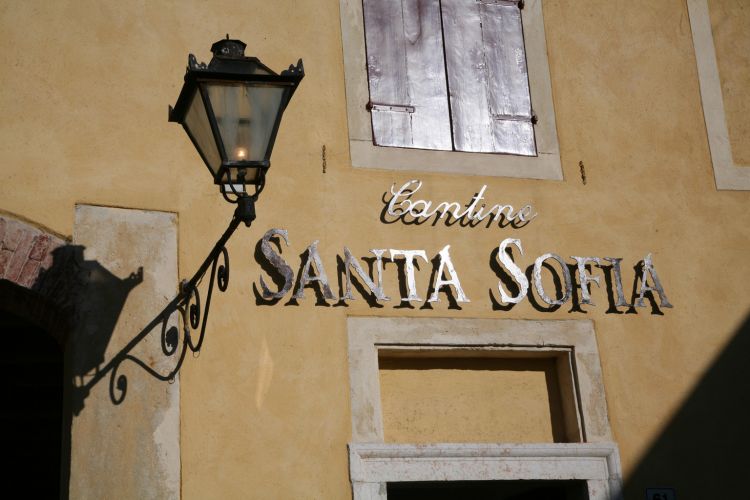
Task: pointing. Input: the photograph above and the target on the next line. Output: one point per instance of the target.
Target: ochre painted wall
(459, 400)
(265, 408)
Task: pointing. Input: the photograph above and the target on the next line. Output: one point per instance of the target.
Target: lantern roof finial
(229, 48)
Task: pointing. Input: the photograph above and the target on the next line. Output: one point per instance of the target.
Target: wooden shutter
(406, 74)
(487, 76)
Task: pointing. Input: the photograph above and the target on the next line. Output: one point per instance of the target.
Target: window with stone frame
(365, 153)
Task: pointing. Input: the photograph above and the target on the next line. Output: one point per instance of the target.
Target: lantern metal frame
(230, 65)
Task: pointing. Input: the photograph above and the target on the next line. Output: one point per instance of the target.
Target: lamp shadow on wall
(92, 298)
(702, 451)
(78, 302)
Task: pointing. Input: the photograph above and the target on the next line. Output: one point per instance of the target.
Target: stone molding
(129, 273)
(727, 174)
(368, 335)
(372, 465)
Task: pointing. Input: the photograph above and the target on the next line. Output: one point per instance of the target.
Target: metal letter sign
(411, 283)
(648, 268)
(401, 204)
(585, 278)
(515, 271)
(445, 263)
(350, 261)
(306, 278)
(443, 272)
(278, 263)
(568, 289)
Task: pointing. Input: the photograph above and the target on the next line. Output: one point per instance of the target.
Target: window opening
(486, 490)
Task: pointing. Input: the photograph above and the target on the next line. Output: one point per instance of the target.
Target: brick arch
(35, 271)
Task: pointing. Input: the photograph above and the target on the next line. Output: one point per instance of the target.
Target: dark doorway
(31, 415)
(489, 490)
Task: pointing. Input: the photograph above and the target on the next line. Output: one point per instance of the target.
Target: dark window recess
(31, 388)
(489, 490)
(449, 75)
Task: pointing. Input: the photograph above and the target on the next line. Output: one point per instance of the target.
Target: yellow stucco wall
(459, 400)
(265, 408)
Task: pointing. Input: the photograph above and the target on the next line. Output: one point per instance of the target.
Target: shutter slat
(406, 74)
(488, 78)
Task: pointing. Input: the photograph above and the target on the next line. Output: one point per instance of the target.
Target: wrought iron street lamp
(231, 110)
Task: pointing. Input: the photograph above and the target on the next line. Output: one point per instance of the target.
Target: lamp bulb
(240, 154)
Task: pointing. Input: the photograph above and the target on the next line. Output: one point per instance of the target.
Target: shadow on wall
(92, 299)
(702, 452)
(78, 303)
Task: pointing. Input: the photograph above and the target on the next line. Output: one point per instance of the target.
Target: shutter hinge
(515, 118)
(396, 108)
(507, 3)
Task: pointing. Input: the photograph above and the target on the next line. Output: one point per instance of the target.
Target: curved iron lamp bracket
(188, 304)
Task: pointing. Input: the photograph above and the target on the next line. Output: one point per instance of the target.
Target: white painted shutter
(487, 76)
(406, 74)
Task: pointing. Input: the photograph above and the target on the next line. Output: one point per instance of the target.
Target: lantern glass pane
(246, 114)
(196, 122)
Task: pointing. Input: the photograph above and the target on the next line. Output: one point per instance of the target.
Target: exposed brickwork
(13, 231)
(25, 252)
(39, 264)
(20, 255)
(29, 273)
(39, 250)
(4, 258)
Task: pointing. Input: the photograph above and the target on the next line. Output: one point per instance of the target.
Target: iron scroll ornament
(192, 311)
(187, 304)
